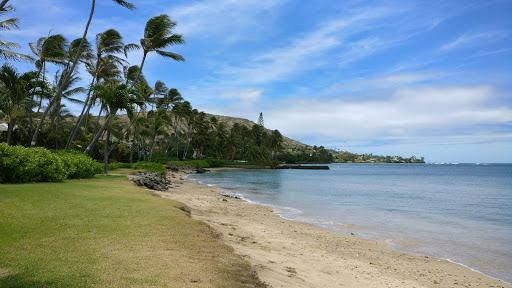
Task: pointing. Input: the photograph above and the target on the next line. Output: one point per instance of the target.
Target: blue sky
(424, 78)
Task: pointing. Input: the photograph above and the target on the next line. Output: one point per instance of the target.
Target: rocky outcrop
(150, 180)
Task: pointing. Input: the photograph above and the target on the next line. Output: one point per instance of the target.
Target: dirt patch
(4, 273)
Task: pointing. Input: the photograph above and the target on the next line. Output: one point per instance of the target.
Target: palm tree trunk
(140, 70)
(43, 67)
(97, 137)
(31, 120)
(81, 117)
(3, 4)
(9, 130)
(105, 153)
(131, 150)
(68, 74)
(98, 120)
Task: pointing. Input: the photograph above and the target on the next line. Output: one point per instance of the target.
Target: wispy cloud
(409, 113)
(314, 49)
(469, 40)
(229, 19)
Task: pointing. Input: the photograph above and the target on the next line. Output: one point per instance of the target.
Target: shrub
(21, 165)
(215, 162)
(149, 166)
(78, 165)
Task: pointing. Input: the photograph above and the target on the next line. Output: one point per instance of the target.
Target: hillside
(288, 143)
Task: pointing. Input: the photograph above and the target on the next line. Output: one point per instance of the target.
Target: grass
(106, 232)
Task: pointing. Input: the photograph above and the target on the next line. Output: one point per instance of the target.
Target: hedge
(23, 165)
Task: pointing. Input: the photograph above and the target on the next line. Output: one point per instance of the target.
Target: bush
(78, 165)
(215, 162)
(148, 166)
(22, 165)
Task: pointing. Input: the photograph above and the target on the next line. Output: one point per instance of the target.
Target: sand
(294, 254)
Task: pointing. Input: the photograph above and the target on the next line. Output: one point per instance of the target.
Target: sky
(426, 78)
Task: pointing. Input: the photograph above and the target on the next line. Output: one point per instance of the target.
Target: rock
(150, 180)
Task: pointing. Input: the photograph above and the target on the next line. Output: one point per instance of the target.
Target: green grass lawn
(106, 232)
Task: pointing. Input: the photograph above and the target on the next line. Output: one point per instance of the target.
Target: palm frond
(9, 55)
(9, 45)
(171, 55)
(9, 24)
(130, 47)
(125, 4)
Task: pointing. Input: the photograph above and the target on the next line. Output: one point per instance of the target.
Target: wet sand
(294, 254)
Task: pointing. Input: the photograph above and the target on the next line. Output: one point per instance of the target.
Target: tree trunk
(140, 70)
(131, 150)
(97, 137)
(86, 103)
(3, 4)
(98, 120)
(40, 125)
(68, 74)
(9, 130)
(105, 153)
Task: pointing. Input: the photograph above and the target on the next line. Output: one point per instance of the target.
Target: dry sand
(293, 254)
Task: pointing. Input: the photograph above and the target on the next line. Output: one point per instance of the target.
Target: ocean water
(458, 212)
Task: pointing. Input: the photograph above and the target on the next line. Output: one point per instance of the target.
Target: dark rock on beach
(153, 181)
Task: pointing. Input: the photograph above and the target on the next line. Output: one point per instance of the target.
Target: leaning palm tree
(115, 97)
(158, 35)
(108, 44)
(78, 53)
(5, 46)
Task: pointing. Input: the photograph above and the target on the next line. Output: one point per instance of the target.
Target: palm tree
(157, 122)
(115, 97)
(276, 142)
(18, 89)
(158, 35)
(78, 53)
(49, 49)
(108, 44)
(68, 93)
(9, 24)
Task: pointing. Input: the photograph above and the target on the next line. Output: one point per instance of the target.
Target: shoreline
(287, 253)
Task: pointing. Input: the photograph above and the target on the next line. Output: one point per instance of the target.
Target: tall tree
(158, 35)
(18, 89)
(77, 57)
(115, 97)
(108, 44)
(47, 49)
(5, 46)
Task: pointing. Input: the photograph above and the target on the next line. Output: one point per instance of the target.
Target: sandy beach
(293, 254)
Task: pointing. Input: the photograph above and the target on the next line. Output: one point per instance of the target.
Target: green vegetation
(106, 232)
(22, 165)
(347, 157)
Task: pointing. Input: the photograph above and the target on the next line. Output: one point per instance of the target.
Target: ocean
(458, 212)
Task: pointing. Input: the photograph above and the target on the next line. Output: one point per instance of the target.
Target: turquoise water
(462, 213)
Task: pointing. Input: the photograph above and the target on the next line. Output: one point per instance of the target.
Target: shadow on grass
(20, 281)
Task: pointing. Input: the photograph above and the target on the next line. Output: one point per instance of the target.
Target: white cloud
(429, 111)
(473, 39)
(314, 49)
(400, 79)
(230, 19)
